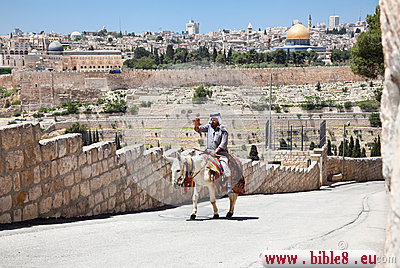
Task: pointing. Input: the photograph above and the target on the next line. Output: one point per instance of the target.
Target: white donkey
(202, 176)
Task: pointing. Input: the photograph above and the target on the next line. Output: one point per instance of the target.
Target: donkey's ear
(170, 159)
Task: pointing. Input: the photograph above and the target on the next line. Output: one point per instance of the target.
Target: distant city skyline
(139, 16)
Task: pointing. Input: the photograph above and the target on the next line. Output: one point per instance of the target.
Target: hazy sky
(138, 16)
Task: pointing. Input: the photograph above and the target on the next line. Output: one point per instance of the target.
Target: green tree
(253, 155)
(140, 52)
(180, 55)
(280, 56)
(220, 58)
(169, 54)
(367, 52)
(375, 120)
(140, 63)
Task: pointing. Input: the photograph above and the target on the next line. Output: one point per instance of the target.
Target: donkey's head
(177, 171)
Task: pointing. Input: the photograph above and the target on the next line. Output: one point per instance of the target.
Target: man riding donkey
(220, 161)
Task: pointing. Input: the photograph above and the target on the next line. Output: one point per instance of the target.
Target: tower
(309, 22)
(249, 28)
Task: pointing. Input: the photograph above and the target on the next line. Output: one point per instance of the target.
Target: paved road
(354, 213)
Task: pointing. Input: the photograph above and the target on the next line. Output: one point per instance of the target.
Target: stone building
(77, 60)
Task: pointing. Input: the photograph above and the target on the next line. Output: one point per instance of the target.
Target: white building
(333, 21)
(192, 27)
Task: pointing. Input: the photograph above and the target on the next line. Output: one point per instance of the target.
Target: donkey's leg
(211, 189)
(232, 201)
(195, 198)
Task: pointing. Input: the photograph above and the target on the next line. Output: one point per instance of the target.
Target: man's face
(214, 122)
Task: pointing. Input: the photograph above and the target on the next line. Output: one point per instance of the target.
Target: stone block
(30, 212)
(111, 163)
(104, 207)
(35, 192)
(66, 196)
(86, 172)
(85, 188)
(69, 179)
(5, 203)
(10, 137)
(78, 176)
(14, 160)
(45, 170)
(49, 149)
(98, 198)
(111, 204)
(62, 145)
(54, 170)
(58, 200)
(5, 218)
(127, 193)
(17, 215)
(104, 165)
(100, 154)
(36, 174)
(97, 210)
(82, 160)
(94, 155)
(27, 135)
(74, 192)
(19, 199)
(96, 169)
(75, 143)
(27, 178)
(16, 181)
(5, 184)
(45, 205)
(66, 164)
(95, 184)
(112, 189)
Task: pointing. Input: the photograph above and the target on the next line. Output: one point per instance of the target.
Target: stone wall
(390, 25)
(10, 80)
(58, 177)
(356, 169)
(43, 88)
(291, 158)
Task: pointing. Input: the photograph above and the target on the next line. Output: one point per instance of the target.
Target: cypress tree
(90, 138)
(341, 149)
(351, 147)
(214, 56)
(94, 137)
(97, 136)
(363, 153)
(329, 148)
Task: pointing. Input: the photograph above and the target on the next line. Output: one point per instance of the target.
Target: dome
(55, 46)
(75, 35)
(298, 31)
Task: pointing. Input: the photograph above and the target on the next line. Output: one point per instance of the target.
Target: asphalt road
(353, 214)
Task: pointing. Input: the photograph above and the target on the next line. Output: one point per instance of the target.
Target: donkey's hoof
(216, 216)
(193, 216)
(229, 214)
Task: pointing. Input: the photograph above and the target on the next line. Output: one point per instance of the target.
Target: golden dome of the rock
(298, 31)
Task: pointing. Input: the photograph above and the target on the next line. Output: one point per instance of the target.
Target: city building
(333, 21)
(298, 38)
(192, 27)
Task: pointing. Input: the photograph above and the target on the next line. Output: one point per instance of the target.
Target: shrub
(16, 102)
(253, 155)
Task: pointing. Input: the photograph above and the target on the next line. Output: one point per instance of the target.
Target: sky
(156, 15)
